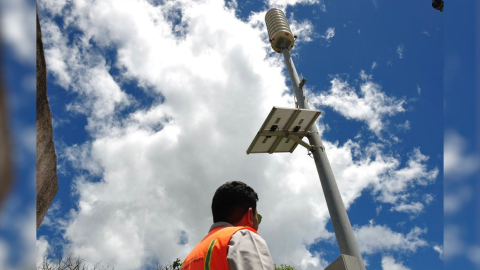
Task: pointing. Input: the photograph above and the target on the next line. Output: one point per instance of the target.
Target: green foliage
(284, 267)
(69, 263)
(176, 265)
(72, 263)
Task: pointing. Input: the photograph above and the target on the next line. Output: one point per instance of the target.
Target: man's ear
(250, 214)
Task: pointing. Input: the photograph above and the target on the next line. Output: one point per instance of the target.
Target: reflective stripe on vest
(208, 257)
(211, 252)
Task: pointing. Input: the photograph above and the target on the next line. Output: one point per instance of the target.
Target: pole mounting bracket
(300, 85)
(299, 141)
(309, 133)
(317, 147)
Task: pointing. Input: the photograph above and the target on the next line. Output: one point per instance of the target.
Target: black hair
(232, 200)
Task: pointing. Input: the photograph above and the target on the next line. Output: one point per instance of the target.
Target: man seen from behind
(233, 242)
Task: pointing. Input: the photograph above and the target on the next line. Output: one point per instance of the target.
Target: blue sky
(17, 210)
(154, 106)
(461, 93)
(123, 87)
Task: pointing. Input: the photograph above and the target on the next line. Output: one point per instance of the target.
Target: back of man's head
(232, 200)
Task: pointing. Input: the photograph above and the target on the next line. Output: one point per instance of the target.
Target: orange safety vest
(211, 252)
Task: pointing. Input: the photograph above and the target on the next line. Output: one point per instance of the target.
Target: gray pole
(341, 224)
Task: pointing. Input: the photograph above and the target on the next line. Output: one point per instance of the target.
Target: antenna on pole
(289, 126)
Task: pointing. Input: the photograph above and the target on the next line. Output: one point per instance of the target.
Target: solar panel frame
(279, 124)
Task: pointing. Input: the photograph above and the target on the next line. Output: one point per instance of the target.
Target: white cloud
(18, 28)
(389, 263)
(282, 4)
(163, 162)
(50, 218)
(400, 51)
(398, 182)
(453, 235)
(454, 200)
(458, 163)
(404, 126)
(364, 76)
(323, 7)
(57, 53)
(4, 254)
(329, 34)
(439, 249)
(81, 157)
(412, 208)
(426, 33)
(419, 90)
(42, 250)
(371, 168)
(374, 64)
(18, 220)
(85, 73)
(428, 198)
(473, 253)
(380, 238)
(304, 30)
(28, 139)
(55, 7)
(371, 107)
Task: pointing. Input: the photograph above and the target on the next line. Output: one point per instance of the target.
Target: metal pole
(341, 224)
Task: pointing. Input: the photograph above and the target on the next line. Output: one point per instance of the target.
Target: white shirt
(246, 250)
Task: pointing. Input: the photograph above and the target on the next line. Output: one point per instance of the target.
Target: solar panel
(283, 130)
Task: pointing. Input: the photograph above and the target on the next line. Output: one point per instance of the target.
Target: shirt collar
(220, 224)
